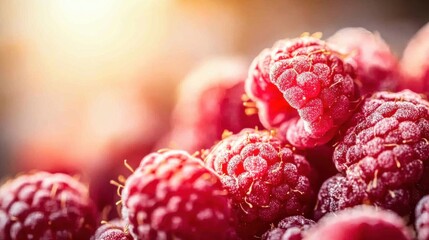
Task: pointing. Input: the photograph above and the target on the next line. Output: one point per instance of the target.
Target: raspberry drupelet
(360, 223)
(290, 228)
(171, 195)
(308, 77)
(46, 206)
(266, 179)
(384, 151)
(377, 68)
(112, 230)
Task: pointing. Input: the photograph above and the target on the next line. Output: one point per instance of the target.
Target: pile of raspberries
(316, 139)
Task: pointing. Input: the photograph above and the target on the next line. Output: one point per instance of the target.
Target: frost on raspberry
(415, 63)
(290, 228)
(46, 206)
(360, 223)
(171, 195)
(377, 68)
(209, 102)
(338, 193)
(266, 179)
(385, 147)
(315, 81)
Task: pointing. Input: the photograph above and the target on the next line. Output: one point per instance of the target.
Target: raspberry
(172, 195)
(316, 82)
(360, 223)
(266, 179)
(422, 218)
(385, 148)
(377, 69)
(198, 121)
(112, 230)
(337, 193)
(290, 228)
(415, 63)
(45, 206)
(273, 109)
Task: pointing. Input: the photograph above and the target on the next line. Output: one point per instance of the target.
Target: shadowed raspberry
(45, 206)
(320, 158)
(112, 230)
(290, 228)
(171, 195)
(210, 101)
(415, 63)
(266, 179)
(338, 193)
(377, 69)
(360, 223)
(385, 148)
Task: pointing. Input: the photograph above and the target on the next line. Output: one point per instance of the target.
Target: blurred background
(87, 81)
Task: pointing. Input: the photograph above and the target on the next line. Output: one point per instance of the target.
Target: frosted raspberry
(422, 218)
(377, 69)
(112, 230)
(266, 179)
(385, 147)
(360, 223)
(290, 228)
(209, 102)
(173, 196)
(338, 193)
(415, 63)
(316, 82)
(273, 109)
(45, 206)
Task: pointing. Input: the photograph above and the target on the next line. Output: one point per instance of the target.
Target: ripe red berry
(304, 76)
(360, 223)
(46, 206)
(290, 228)
(266, 179)
(415, 63)
(112, 230)
(384, 150)
(377, 68)
(172, 195)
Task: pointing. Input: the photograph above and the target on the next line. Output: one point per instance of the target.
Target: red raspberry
(337, 193)
(318, 83)
(112, 230)
(422, 218)
(385, 148)
(173, 196)
(360, 223)
(45, 206)
(415, 63)
(273, 109)
(377, 69)
(290, 228)
(210, 101)
(266, 179)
